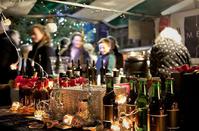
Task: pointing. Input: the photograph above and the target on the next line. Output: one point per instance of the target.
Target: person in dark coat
(168, 52)
(64, 43)
(42, 50)
(8, 62)
(76, 50)
(118, 55)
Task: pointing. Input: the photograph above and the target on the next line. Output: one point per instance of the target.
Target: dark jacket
(41, 54)
(82, 55)
(119, 58)
(8, 56)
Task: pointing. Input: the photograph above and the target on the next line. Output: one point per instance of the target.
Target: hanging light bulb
(51, 26)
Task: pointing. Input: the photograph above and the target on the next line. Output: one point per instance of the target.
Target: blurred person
(106, 56)
(118, 55)
(8, 63)
(168, 52)
(64, 43)
(76, 49)
(25, 49)
(15, 36)
(90, 49)
(42, 50)
(24, 67)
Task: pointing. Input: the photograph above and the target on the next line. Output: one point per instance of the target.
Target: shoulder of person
(111, 55)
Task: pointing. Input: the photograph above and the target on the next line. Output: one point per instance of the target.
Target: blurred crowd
(167, 52)
(18, 59)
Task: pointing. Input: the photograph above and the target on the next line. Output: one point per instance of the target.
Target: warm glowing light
(67, 119)
(115, 127)
(15, 106)
(121, 99)
(50, 84)
(38, 114)
(126, 123)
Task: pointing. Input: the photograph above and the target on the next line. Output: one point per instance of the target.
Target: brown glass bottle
(132, 95)
(109, 104)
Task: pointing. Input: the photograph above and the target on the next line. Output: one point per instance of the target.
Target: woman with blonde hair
(42, 49)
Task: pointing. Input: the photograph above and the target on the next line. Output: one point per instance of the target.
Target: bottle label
(108, 113)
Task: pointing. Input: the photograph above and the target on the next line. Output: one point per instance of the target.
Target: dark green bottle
(169, 99)
(141, 103)
(156, 105)
(171, 105)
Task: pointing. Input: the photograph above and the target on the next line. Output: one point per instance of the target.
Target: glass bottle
(116, 76)
(87, 71)
(109, 104)
(141, 104)
(94, 74)
(156, 104)
(169, 94)
(58, 60)
(102, 72)
(78, 69)
(132, 95)
(171, 105)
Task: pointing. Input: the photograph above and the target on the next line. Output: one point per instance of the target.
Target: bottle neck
(142, 88)
(109, 84)
(169, 86)
(132, 84)
(78, 63)
(156, 89)
(93, 63)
